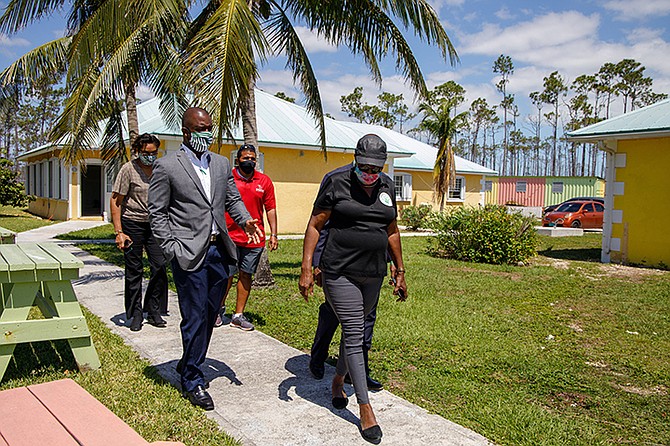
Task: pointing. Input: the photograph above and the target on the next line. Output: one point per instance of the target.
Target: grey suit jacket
(181, 215)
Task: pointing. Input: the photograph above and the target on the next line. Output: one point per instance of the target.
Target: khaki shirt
(133, 183)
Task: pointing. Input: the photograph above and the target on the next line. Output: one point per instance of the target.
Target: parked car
(553, 207)
(576, 214)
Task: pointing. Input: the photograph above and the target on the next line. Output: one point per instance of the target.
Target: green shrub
(415, 217)
(484, 235)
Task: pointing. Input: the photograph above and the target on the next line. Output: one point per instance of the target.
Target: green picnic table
(6, 236)
(40, 274)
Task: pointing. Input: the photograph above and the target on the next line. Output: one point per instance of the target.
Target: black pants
(199, 294)
(155, 300)
(325, 330)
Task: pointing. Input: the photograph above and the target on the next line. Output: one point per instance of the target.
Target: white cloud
(11, 42)
(547, 31)
(568, 43)
(638, 9)
(8, 46)
(504, 14)
(312, 42)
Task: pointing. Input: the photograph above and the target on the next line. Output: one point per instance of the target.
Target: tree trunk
(263, 277)
(131, 112)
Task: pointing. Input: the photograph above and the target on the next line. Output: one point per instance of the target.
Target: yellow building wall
(422, 190)
(297, 175)
(644, 205)
(49, 208)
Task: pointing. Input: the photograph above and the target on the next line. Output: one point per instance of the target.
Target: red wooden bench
(61, 413)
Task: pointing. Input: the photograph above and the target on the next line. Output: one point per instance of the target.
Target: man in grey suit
(189, 194)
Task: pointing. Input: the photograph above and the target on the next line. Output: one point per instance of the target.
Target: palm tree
(440, 124)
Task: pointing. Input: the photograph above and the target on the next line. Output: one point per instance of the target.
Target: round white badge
(385, 199)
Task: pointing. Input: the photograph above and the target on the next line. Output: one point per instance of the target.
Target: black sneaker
(372, 384)
(317, 370)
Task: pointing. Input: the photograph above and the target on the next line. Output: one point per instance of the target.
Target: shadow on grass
(34, 359)
(585, 255)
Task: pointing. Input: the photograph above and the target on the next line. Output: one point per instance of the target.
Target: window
(521, 186)
(599, 207)
(109, 180)
(557, 187)
(588, 207)
(457, 193)
(50, 185)
(260, 160)
(403, 187)
(33, 185)
(488, 186)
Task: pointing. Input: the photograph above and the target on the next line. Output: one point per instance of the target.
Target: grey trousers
(352, 299)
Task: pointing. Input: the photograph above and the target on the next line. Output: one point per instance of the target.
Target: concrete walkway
(262, 389)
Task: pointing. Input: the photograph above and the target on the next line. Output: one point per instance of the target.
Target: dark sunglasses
(369, 169)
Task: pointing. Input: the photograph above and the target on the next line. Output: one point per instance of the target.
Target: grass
(126, 384)
(562, 351)
(104, 232)
(18, 220)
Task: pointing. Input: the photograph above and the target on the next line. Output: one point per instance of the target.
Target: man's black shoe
(136, 324)
(157, 321)
(317, 370)
(199, 397)
(372, 384)
(180, 367)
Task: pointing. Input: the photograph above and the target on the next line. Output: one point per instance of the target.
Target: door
(588, 217)
(91, 191)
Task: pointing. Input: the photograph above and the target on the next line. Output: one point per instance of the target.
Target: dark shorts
(247, 260)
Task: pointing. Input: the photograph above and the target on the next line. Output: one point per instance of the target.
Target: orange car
(576, 214)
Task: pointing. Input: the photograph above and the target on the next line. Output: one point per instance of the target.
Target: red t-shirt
(257, 193)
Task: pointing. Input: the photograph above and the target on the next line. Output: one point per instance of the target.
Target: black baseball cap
(371, 149)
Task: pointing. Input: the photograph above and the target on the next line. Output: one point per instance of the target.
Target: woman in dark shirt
(359, 205)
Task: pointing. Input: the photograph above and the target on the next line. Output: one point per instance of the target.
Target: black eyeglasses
(369, 169)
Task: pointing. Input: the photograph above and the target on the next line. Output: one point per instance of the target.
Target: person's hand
(306, 283)
(273, 243)
(318, 277)
(253, 231)
(392, 276)
(123, 241)
(400, 288)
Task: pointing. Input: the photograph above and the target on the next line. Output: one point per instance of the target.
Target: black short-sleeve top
(357, 237)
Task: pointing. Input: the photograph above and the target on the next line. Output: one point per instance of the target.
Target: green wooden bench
(40, 274)
(6, 236)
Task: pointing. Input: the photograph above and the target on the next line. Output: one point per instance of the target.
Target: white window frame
(460, 190)
(260, 160)
(557, 187)
(404, 192)
(519, 189)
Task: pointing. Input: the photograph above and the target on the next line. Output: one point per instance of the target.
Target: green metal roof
(284, 124)
(647, 122)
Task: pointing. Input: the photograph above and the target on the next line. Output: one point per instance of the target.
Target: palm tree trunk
(131, 112)
(263, 277)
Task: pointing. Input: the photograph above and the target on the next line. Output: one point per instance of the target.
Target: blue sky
(541, 36)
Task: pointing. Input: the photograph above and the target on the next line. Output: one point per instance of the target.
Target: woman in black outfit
(359, 204)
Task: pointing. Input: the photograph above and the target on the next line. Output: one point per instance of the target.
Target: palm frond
(282, 36)
(21, 13)
(220, 61)
(112, 147)
(45, 59)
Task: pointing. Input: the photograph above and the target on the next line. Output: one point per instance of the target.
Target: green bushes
(415, 217)
(486, 235)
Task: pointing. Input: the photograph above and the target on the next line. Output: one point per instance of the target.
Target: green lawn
(104, 232)
(127, 384)
(18, 220)
(561, 351)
